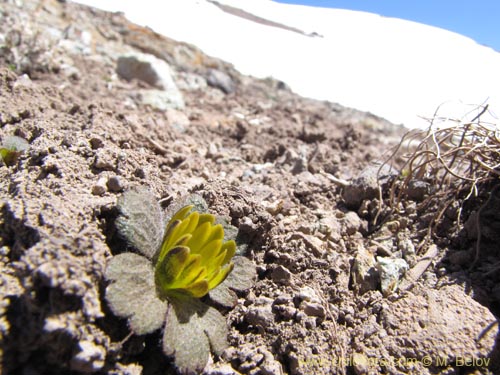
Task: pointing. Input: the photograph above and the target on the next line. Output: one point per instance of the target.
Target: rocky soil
(107, 105)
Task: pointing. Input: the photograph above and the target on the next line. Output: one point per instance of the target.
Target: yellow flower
(193, 258)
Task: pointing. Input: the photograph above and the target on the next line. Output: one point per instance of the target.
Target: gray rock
(281, 275)
(157, 73)
(364, 273)
(146, 68)
(417, 190)
(352, 223)
(220, 369)
(313, 309)
(260, 314)
(391, 271)
(100, 186)
(115, 184)
(162, 100)
(330, 226)
(221, 81)
(365, 186)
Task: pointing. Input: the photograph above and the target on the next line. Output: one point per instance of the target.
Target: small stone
(366, 185)
(178, 120)
(100, 186)
(391, 271)
(282, 299)
(146, 68)
(261, 315)
(352, 223)
(331, 227)
(417, 190)
(96, 143)
(140, 173)
(307, 294)
(89, 359)
(220, 80)
(364, 273)
(360, 363)
(104, 161)
(115, 184)
(281, 275)
(313, 309)
(220, 369)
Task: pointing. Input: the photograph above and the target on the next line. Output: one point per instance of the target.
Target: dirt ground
(291, 173)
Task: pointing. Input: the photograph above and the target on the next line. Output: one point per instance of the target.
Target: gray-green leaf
(141, 220)
(191, 330)
(241, 278)
(132, 293)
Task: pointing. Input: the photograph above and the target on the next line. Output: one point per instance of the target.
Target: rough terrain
(295, 175)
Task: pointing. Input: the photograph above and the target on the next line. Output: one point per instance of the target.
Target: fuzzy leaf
(192, 329)
(223, 296)
(132, 293)
(141, 221)
(240, 279)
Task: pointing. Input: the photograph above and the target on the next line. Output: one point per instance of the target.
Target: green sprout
(161, 286)
(11, 148)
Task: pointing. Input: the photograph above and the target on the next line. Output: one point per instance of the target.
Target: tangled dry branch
(459, 158)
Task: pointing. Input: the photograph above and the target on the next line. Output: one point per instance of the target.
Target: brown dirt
(260, 155)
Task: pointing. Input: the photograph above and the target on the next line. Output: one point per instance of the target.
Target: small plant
(193, 258)
(11, 148)
(177, 266)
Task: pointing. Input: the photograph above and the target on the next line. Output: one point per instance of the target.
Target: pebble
(391, 271)
(261, 315)
(364, 273)
(89, 359)
(115, 184)
(313, 309)
(220, 80)
(352, 223)
(104, 161)
(96, 143)
(307, 294)
(417, 190)
(281, 275)
(100, 186)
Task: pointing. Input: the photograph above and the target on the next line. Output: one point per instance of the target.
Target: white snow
(393, 68)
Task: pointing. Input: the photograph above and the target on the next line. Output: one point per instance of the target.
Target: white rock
(90, 358)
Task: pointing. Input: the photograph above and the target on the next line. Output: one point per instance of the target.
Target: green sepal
(169, 269)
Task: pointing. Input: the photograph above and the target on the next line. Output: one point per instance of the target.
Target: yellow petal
(217, 233)
(200, 237)
(181, 214)
(164, 249)
(209, 251)
(183, 240)
(215, 262)
(206, 218)
(220, 276)
(230, 247)
(176, 233)
(193, 222)
(193, 271)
